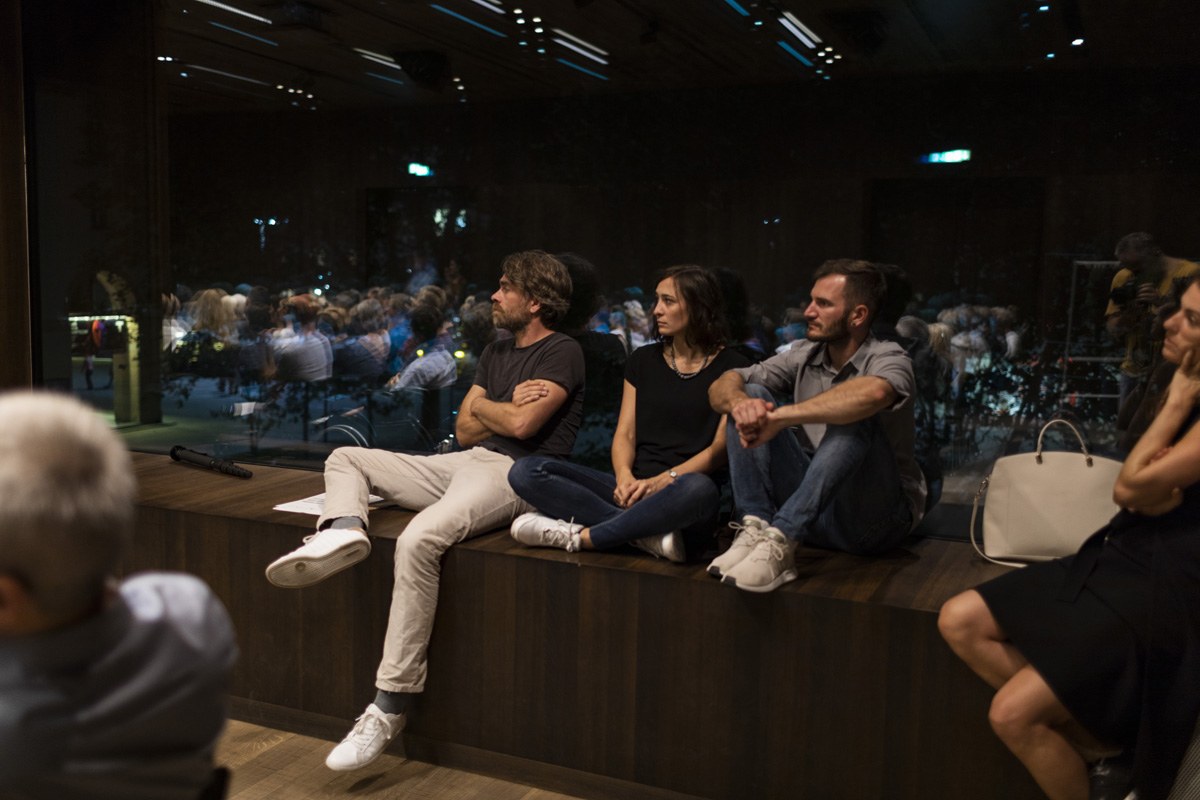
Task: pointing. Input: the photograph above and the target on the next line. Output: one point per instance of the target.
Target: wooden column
(16, 368)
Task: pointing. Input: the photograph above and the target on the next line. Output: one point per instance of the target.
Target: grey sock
(346, 522)
(392, 702)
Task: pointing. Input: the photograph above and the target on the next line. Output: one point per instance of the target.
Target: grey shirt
(804, 371)
(126, 705)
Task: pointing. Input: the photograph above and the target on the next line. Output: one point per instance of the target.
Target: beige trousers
(457, 495)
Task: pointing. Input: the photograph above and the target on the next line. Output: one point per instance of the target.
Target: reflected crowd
(383, 349)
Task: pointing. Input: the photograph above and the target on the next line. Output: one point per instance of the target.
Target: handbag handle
(1082, 444)
(983, 484)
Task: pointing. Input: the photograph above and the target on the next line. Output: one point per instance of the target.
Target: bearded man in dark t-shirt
(526, 400)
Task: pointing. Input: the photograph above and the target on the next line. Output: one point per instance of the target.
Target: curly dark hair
(701, 295)
(543, 278)
(585, 292)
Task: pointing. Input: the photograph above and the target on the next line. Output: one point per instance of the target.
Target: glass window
(264, 230)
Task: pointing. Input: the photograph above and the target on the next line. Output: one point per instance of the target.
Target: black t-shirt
(673, 418)
(556, 358)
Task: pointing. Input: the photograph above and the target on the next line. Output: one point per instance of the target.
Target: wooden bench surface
(920, 575)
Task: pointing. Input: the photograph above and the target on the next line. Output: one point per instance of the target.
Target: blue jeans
(574, 492)
(846, 496)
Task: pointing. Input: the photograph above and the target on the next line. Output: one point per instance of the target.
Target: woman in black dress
(1100, 652)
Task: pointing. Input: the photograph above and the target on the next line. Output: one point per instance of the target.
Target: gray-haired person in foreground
(107, 689)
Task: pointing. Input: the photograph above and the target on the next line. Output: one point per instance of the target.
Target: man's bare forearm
(519, 421)
(468, 428)
(726, 392)
(846, 402)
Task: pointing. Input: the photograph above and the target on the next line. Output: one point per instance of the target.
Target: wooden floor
(273, 764)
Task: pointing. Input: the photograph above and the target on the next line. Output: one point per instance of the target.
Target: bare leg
(1026, 716)
(973, 634)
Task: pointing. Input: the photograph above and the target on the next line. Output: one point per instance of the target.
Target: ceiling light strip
(234, 10)
(490, 6)
(226, 74)
(794, 53)
(468, 20)
(231, 29)
(809, 43)
(736, 6)
(387, 78)
(580, 50)
(796, 21)
(584, 70)
(363, 52)
(387, 62)
(579, 41)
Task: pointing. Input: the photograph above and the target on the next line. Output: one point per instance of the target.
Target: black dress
(1115, 632)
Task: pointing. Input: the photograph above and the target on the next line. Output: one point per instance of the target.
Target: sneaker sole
(297, 572)
(787, 576)
(715, 569)
(337, 767)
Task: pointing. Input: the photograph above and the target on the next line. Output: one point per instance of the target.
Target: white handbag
(1043, 505)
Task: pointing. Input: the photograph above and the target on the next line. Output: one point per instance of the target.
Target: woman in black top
(1100, 652)
(667, 446)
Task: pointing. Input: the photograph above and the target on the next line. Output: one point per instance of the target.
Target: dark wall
(1060, 165)
(96, 156)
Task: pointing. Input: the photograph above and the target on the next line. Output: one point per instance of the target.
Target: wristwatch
(673, 474)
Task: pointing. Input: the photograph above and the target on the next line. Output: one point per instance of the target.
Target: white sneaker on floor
(665, 545)
(748, 533)
(322, 554)
(535, 530)
(769, 565)
(366, 740)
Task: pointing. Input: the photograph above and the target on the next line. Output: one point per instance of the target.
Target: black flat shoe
(1111, 778)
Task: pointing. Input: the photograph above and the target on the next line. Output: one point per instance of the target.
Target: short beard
(513, 325)
(838, 332)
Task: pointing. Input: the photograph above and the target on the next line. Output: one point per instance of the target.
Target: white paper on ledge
(315, 505)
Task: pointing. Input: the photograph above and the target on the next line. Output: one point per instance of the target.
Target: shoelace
(366, 728)
(562, 531)
(774, 548)
(753, 532)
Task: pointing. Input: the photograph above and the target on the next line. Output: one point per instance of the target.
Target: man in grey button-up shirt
(847, 480)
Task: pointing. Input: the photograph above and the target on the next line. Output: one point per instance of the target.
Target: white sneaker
(535, 530)
(666, 545)
(748, 533)
(322, 554)
(770, 564)
(366, 740)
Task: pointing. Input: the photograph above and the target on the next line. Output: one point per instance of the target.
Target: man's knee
(759, 392)
(422, 545)
(863, 430)
(341, 456)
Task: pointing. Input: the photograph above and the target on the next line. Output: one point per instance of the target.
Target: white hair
(66, 498)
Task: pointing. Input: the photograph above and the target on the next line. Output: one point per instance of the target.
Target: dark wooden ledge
(604, 674)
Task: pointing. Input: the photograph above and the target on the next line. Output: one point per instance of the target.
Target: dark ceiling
(335, 54)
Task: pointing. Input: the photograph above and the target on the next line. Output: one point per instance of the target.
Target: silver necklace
(686, 375)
